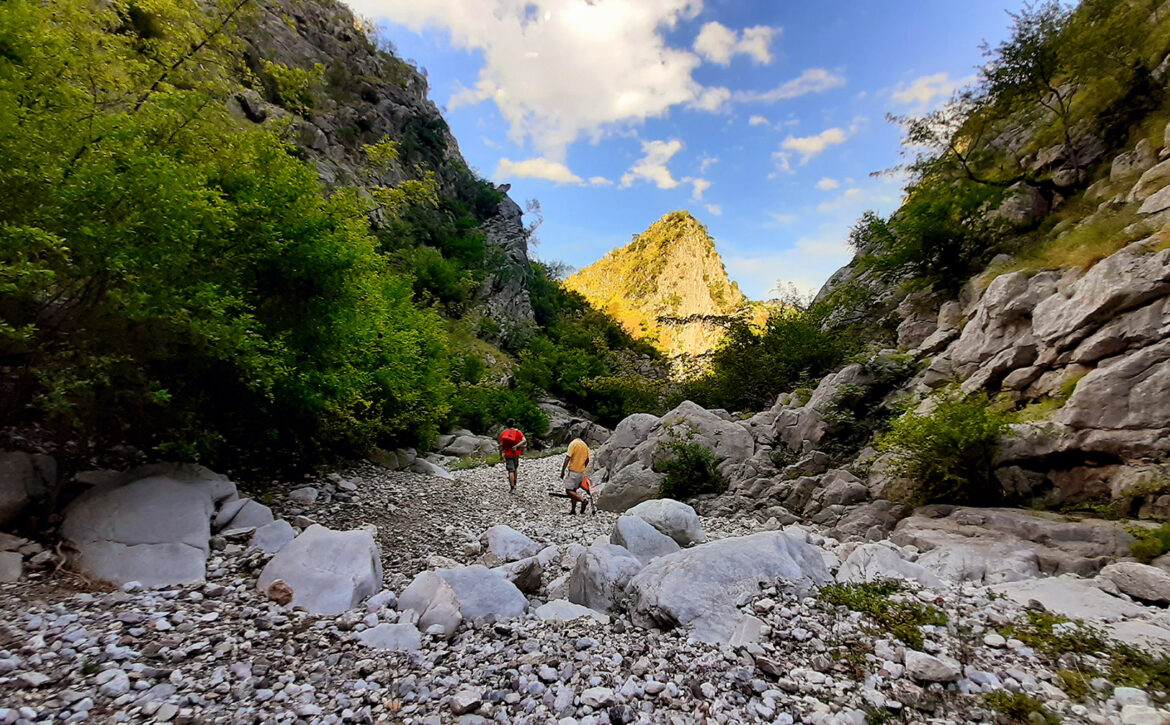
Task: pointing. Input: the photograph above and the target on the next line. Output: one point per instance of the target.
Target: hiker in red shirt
(512, 444)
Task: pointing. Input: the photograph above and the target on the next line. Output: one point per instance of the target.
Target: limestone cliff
(314, 65)
(668, 285)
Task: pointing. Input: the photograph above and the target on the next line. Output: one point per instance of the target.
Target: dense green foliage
(948, 452)
(177, 281)
(1016, 707)
(1149, 544)
(903, 619)
(752, 366)
(583, 356)
(483, 407)
(691, 469)
(180, 280)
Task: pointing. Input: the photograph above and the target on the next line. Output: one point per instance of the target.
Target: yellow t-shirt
(578, 454)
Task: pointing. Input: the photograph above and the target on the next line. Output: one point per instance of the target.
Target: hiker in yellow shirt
(576, 460)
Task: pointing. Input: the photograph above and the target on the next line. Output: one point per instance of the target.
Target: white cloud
(780, 219)
(712, 99)
(757, 42)
(757, 121)
(718, 43)
(600, 181)
(538, 168)
(921, 92)
(652, 165)
(560, 69)
(706, 162)
(714, 209)
(813, 80)
(809, 146)
(698, 186)
(827, 184)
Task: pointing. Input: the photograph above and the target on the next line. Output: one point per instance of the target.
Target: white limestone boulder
(328, 571)
(152, 525)
(508, 544)
(600, 575)
(673, 518)
(641, 539)
(699, 588)
(874, 562)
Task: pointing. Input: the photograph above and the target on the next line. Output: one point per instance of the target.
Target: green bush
(480, 408)
(1150, 543)
(691, 469)
(900, 618)
(751, 366)
(1018, 708)
(948, 452)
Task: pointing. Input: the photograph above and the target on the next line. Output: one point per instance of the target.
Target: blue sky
(764, 119)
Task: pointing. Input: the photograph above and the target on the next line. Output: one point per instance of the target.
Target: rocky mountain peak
(668, 285)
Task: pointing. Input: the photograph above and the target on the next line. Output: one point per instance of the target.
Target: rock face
(380, 97)
(482, 592)
(628, 457)
(1001, 545)
(328, 571)
(668, 283)
(699, 587)
(24, 478)
(153, 526)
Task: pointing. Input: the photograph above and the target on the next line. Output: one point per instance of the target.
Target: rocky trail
(441, 638)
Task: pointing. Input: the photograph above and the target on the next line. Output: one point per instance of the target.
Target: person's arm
(523, 442)
(564, 466)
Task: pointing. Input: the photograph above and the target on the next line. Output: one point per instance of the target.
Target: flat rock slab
(329, 571)
(561, 610)
(392, 637)
(1075, 598)
(484, 593)
(641, 539)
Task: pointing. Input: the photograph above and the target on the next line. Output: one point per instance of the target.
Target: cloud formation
(812, 80)
(652, 165)
(921, 92)
(562, 69)
(538, 168)
(718, 43)
(809, 146)
(827, 184)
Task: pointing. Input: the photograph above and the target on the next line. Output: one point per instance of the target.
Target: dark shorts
(511, 464)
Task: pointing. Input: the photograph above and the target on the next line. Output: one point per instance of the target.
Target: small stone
(465, 701)
(995, 640)
(279, 592)
(32, 679)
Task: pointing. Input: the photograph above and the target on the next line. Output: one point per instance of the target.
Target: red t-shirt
(510, 439)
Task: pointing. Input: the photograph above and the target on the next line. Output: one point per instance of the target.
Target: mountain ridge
(668, 285)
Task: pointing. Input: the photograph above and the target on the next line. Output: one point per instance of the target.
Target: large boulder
(564, 426)
(466, 444)
(641, 539)
(600, 575)
(699, 588)
(640, 440)
(242, 514)
(484, 592)
(152, 526)
(673, 518)
(1070, 597)
(433, 603)
(24, 478)
(1140, 581)
(508, 544)
(328, 571)
(875, 562)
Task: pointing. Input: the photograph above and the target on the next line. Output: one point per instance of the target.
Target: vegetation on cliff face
(176, 277)
(668, 286)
